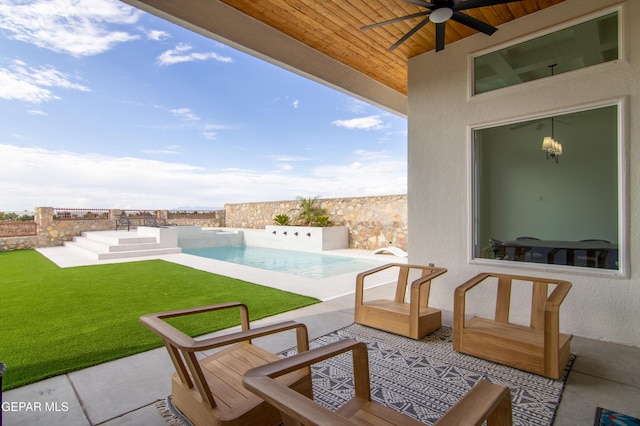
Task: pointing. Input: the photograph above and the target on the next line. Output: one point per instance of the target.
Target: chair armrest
(245, 335)
(558, 295)
(156, 322)
(295, 362)
(184, 342)
(420, 289)
(260, 380)
(435, 272)
(362, 275)
(463, 288)
(408, 267)
(484, 401)
(360, 278)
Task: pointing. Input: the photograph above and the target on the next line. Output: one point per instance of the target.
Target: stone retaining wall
(373, 222)
(21, 243)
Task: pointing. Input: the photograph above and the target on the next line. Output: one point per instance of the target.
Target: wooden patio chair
(539, 348)
(412, 319)
(208, 390)
(485, 401)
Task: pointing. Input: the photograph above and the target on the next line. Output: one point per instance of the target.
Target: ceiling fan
(439, 12)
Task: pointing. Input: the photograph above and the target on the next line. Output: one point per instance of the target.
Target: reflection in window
(530, 208)
(583, 45)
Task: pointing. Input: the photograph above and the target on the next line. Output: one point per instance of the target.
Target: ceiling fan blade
(440, 36)
(474, 23)
(404, 38)
(391, 21)
(472, 4)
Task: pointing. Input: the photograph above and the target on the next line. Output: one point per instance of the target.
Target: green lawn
(57, 320)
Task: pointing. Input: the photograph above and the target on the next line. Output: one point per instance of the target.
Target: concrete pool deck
(322, 289)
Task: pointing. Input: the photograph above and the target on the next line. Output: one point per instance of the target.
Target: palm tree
(308, 210)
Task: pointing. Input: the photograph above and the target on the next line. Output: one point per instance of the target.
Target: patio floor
(124, 392)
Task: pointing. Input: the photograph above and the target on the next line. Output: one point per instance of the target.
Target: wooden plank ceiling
(333, 28)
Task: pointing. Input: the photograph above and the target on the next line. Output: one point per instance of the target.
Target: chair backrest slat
(503, 299)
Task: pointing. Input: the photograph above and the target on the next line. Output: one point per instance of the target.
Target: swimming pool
(305, 264)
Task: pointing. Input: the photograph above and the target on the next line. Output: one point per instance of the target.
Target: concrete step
(114, 238)
(122, 244)
(138, 253)
(95, 246)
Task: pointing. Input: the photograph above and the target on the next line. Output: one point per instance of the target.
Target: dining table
(596, 251)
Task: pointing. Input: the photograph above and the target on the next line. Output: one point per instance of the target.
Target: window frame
(622, 182)
(622, 56)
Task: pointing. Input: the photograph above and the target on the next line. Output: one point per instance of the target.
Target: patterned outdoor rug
(421, 378)
(424, 378)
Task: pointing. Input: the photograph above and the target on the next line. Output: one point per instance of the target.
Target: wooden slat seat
(412, 319)
(484, 402)
(539, 348)
(208, 390)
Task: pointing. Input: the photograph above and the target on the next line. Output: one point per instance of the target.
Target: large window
(563, 207)
(586, 44)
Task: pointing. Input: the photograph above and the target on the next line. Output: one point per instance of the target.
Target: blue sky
(105, 106)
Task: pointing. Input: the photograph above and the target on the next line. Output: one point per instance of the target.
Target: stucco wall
(598, 306)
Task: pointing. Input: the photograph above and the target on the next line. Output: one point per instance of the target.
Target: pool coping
(321, 289)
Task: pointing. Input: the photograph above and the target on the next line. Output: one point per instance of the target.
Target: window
(529, 206)
(588, 43)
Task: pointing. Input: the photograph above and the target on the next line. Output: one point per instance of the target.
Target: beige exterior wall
(373, 222)
(441, 115)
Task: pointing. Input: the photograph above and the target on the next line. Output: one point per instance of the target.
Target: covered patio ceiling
(322, 39)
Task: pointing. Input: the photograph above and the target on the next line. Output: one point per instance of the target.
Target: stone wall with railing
(54, 226)
(373, 222)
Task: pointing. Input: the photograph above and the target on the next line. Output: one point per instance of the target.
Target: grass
(57, 320)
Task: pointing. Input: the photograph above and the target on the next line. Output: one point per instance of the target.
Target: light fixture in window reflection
(550, 146)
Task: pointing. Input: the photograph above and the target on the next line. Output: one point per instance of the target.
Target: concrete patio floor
(125, 391)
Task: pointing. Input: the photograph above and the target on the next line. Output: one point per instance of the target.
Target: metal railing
(60, 213)
(18, 229)
(139, 213)
(196, 214)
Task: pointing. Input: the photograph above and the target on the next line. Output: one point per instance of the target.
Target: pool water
(309, 265)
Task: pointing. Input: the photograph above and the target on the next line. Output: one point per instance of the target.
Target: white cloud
(181, 53)
(126, 182)
(371, 155)
(209, 135)
(185, 114)
(34, 84)
(355, 106)
(157, 35)
(296, 104)
(372, 122)
(288, 158)
(170, 149)
(77, 28)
